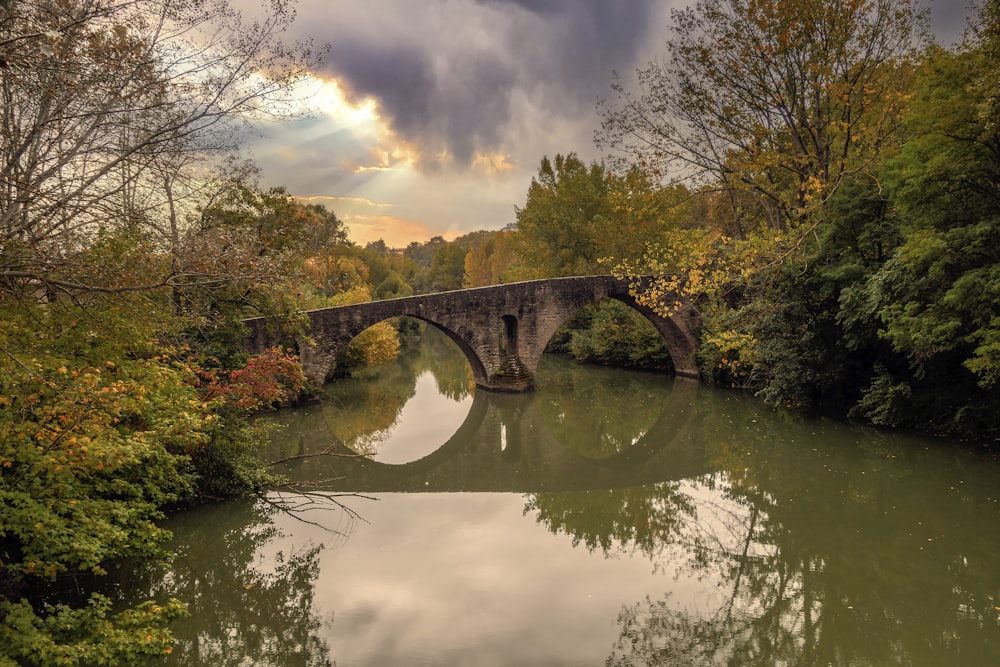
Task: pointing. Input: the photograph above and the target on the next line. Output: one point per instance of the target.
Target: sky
(430, 118)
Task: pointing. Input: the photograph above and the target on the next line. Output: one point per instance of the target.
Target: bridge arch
(679, 340)
(321, 357)
(478, 370)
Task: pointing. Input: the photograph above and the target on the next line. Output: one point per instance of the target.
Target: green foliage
(375, 345)
(422, 254)
(231, 466)
(488, 262)
(87, 635)
(127, 263)
(447, 267)
(935, 297)
(273, 219)
(805, 337)
(384, 275)
(560, 227)
(862, 283)
(106, 419)
(612, 334)
(945, 277)
(885, 402)
(575, 218)
(393, 286)
(95, 438)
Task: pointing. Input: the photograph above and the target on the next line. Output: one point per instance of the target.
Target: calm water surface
(610, 518)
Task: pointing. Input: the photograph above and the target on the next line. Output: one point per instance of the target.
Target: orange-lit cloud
(396, 232)
(491, 163)
(367, 221)
(387, 157)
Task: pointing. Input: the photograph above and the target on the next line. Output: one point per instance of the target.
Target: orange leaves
(268, 378)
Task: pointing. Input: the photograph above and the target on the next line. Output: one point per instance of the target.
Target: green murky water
(610, 518)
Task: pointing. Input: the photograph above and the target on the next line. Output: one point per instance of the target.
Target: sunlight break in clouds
(445, 108)
(352, 152)
(362, 119)
(326, 96)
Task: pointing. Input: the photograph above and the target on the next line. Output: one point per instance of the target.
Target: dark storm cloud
(460, 104)
(516, 77)
(455, 76)
(399, 75)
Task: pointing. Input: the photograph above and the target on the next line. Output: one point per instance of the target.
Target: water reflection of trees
(871, 554)
(249, 603)
(642, 519)
(599, 412)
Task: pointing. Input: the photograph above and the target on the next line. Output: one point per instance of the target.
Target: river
(609, 518)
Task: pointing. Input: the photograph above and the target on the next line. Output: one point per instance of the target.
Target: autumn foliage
(268, 379)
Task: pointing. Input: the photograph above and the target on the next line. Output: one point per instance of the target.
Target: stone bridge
(502, 329)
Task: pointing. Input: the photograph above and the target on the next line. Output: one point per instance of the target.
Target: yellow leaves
(736, 353)
(737, 346)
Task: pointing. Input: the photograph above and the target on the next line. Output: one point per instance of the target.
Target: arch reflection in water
(393, 413)
(420, 419)
(576, 431)
(602, 413)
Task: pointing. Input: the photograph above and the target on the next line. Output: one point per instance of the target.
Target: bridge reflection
(514, 443)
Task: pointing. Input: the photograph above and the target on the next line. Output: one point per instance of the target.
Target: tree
(936, 296)
(378, 247)
(565, 214)
(423, 254)
(114, 259)
(577, 216)
(780, 101)
(613, 334)
(97, 432)
(447, 267)
(487, 263)
(104, 107)
(947, 185)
